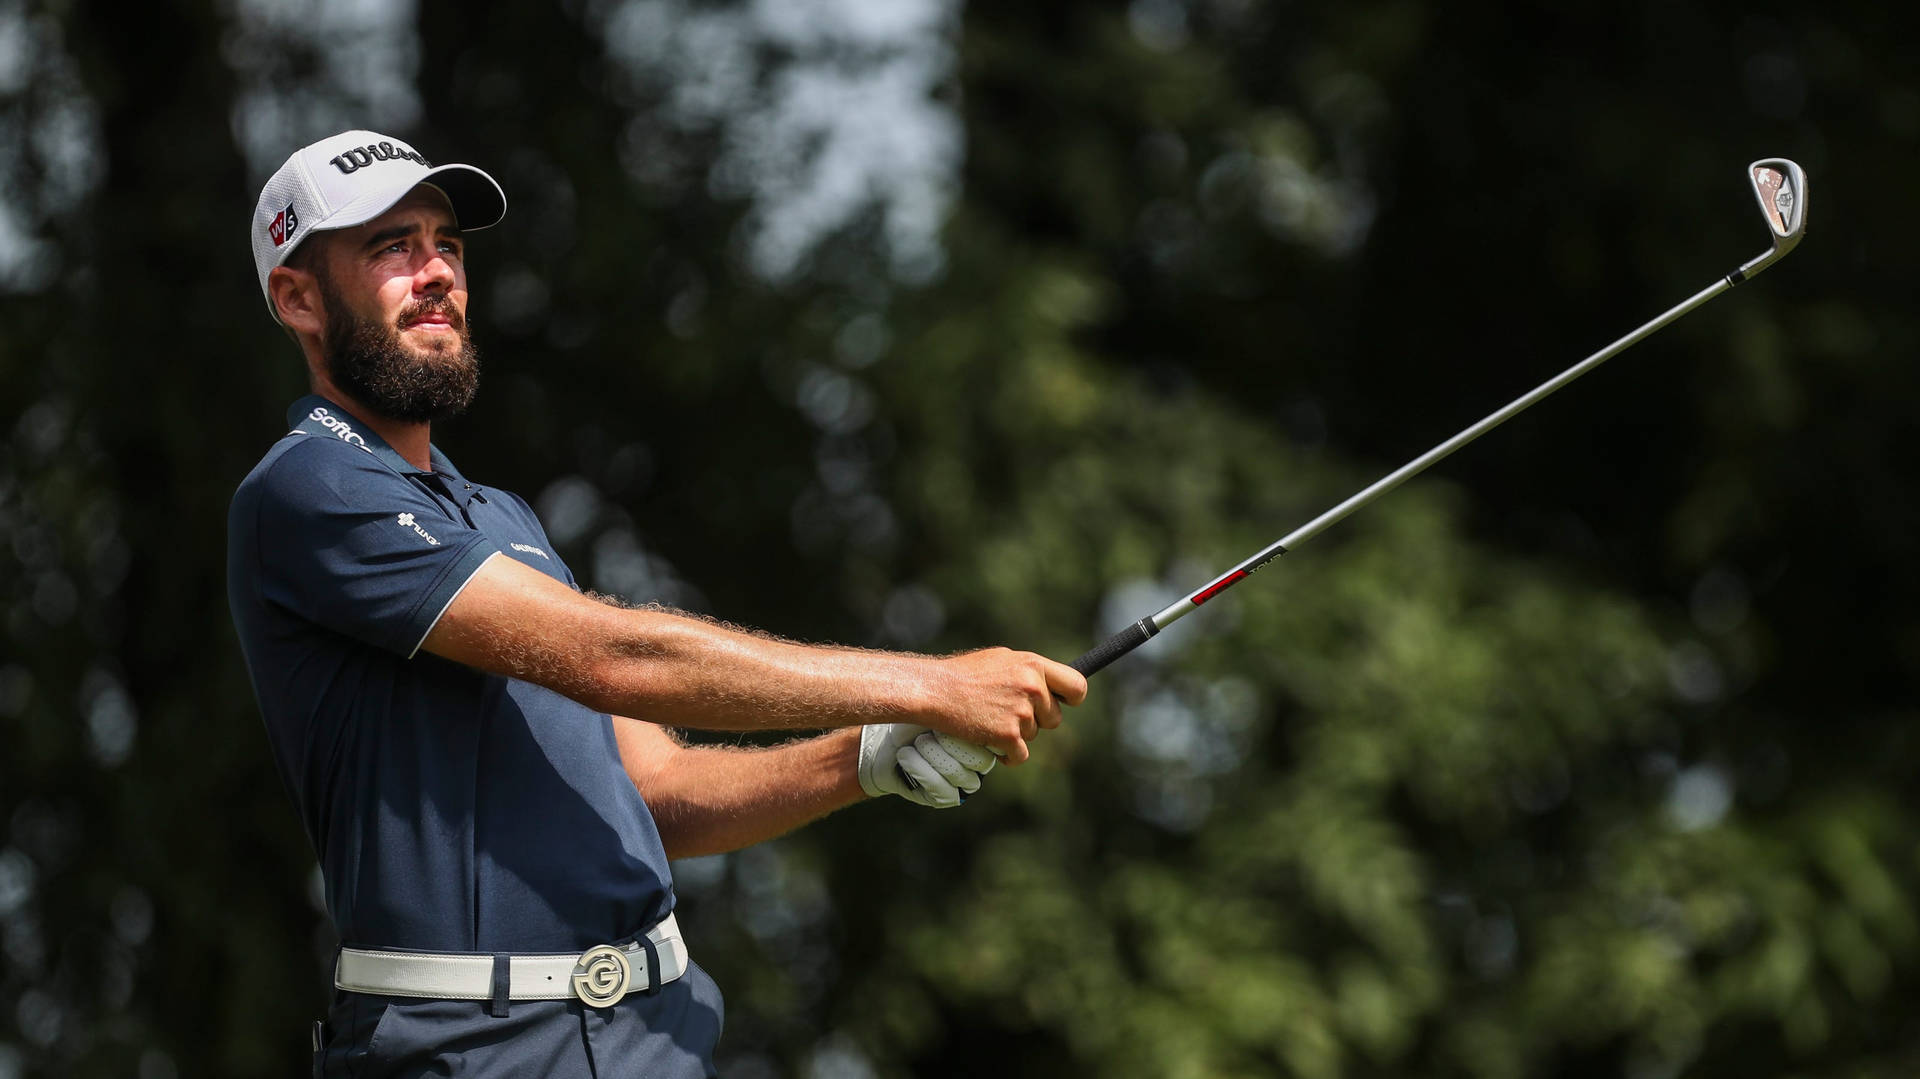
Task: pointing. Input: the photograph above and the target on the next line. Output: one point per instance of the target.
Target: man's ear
(296, 296)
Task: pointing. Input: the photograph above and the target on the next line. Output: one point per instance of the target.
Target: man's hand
(920, 765)
(1000, 699)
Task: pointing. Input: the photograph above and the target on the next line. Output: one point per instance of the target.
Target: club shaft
(1139, 632)
(1398, 476)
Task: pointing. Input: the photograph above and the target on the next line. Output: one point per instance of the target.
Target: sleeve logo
(406, 521)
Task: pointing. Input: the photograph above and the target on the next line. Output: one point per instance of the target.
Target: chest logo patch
(406, 521)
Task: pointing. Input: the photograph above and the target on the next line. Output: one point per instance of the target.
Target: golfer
(483, 755)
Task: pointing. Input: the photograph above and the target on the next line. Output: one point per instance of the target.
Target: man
(480, 752)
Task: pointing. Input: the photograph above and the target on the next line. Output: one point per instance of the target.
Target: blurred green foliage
(1588, 754)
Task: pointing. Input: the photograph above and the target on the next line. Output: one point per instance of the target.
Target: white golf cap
(349, 179)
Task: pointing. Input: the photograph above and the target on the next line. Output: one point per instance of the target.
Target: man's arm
(680, 671)
(712, 799)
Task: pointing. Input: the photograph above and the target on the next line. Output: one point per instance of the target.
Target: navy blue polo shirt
(452, 810)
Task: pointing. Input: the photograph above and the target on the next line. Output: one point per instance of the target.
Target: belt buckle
(602, 976)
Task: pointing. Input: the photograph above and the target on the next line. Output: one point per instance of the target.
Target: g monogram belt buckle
(603, 975)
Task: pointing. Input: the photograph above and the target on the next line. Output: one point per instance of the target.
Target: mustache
(437, 304)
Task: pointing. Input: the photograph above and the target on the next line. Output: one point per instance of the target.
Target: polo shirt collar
(316, 415)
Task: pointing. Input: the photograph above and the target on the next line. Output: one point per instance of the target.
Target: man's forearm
(711, 799)
(683, 671)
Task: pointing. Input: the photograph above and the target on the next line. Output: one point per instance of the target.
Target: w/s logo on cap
(282, 226)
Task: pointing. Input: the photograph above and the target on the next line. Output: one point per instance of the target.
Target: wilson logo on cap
(280, 229)
(361, 156)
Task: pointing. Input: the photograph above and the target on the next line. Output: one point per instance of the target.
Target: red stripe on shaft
(1218, 587)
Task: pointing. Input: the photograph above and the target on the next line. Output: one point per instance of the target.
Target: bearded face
(418, 378)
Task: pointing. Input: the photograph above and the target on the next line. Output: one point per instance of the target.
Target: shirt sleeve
(350, 544)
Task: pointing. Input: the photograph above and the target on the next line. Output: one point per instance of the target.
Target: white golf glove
(920, 765)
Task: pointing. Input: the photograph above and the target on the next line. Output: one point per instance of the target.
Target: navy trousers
(668, 1034)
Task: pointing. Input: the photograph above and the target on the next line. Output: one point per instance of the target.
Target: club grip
(1115, 646)
(1095, 659)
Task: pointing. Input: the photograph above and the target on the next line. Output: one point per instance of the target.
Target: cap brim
(477, 201)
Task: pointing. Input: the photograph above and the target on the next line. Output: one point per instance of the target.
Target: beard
(369, 361)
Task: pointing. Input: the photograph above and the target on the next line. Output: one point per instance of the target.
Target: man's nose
(435, 273)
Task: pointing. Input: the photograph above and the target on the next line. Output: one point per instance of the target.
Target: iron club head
(1780, 186)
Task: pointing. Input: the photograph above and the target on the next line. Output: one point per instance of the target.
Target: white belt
(600, 975)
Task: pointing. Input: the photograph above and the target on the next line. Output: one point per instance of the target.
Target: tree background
(931, 325)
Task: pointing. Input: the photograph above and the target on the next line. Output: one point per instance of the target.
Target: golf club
(1778, 185)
